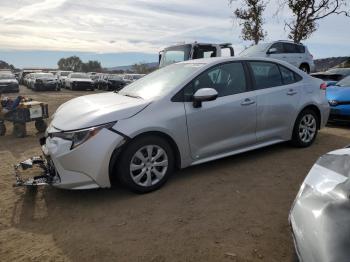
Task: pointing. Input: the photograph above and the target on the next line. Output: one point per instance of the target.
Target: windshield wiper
(133, 96)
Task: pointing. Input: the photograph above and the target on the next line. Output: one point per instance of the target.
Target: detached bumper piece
(48, 175)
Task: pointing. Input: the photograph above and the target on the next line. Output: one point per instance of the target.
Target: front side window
(278, 47)
(226, 79)
(266, 74)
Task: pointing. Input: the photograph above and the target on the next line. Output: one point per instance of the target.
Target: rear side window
(288, 76)
(266, 74)
(300, 49)
(290, 48)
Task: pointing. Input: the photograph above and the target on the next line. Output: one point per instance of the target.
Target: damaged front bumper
(48, 174)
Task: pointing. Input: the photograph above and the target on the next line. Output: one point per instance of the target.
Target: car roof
(215, 60)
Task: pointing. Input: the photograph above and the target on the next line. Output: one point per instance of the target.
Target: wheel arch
(118, 151)
(305, 64)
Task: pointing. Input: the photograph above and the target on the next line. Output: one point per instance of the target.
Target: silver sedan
(181, 115)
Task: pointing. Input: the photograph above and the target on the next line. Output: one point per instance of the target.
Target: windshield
(65, 73)
(161, 81)
(80, 76)
(43, 75)
(344, 82)
(175, 54)
(341, 71)
(114, 77)
(7, 76)
(254, 49)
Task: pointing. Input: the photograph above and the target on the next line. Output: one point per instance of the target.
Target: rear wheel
(305, 128)
(2, 129)
(40, 125)
(146, 164)
(19, 130)
(305, 68)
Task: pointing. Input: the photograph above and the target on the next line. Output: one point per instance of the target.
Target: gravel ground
(233, 209)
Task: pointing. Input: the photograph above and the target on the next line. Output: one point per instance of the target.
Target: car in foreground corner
(338, 97)
(320, 215)
(169, 119)
(8, 83)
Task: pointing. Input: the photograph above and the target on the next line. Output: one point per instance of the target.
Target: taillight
(323, 86)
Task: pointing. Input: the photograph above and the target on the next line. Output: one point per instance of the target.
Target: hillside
(327, 63)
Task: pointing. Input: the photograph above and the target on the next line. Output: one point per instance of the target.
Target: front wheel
(146, 164)
(40, 125)
(305, 128)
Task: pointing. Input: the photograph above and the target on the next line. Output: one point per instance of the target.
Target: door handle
(291, 92)
(247, 102)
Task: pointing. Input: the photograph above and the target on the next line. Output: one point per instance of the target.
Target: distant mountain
(327, 63)
(4, 65)
(129, 67)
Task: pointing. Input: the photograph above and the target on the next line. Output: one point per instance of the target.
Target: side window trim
(180, 95)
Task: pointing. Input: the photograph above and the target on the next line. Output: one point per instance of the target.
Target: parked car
(170, 119)
(24, 75)
(8, 83)
(129, 78)
(111, 83)
(188, 51)
(339, 99)
(43, 82)
(79, 81)
(61, 77)
(320, 215)
(295, 54)
(332, 75)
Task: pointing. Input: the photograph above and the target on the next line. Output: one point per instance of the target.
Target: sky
(37, 33)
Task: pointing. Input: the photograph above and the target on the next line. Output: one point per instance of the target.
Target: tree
(72, 63)
(306, 13)
(142, 68)
(91, 66)
(251, 18)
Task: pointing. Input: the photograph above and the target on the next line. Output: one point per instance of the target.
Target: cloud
(107, 26)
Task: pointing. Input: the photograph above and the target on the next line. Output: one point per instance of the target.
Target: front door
(227, 123)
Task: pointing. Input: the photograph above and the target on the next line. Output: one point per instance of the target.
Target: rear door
(227, 123)
(278, 93)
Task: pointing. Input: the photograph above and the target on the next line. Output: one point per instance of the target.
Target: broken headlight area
(48, 174)
(79, 137)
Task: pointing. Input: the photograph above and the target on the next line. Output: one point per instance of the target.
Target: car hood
(97, 109)
(338, 93)
(320, 216)
(7, 81)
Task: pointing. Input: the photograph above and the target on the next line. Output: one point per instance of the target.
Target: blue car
(339, 100)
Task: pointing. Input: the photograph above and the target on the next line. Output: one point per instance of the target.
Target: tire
(305, 68)
(148, 181)
(305, 128)
(19, 130)
(40, 125)
(2, 129)
(58, 88)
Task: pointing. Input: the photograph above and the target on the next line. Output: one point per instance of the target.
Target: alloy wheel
(307, 128)
(148, 165)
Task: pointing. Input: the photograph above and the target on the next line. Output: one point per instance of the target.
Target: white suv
(295, 54)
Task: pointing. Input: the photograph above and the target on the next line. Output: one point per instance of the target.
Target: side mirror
(272, 50)
(203, 95)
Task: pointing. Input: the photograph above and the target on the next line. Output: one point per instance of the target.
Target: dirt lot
(234, 209)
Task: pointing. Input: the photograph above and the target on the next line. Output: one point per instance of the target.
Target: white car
(79, 81)
(181, 115)
(295, 54)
